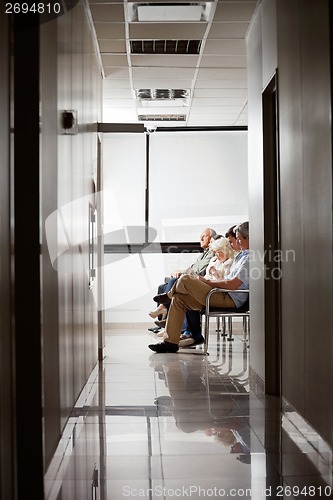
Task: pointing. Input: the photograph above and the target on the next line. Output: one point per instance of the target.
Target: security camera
(150, 130)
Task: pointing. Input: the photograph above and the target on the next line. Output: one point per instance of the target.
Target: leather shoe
(164, 347)
(160, 324)
(162, 299)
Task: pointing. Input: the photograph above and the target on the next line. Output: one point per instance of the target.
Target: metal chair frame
(215, 312)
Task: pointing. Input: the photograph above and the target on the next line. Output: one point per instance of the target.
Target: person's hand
(201, 278)
(176, 274)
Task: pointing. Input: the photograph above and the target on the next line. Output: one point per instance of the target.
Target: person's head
(231, 237)
(222, 248)
(205, 237)
(242, 235)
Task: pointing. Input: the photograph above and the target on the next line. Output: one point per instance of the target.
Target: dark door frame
(272, 240)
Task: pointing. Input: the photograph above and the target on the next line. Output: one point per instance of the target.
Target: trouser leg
(189, 294)
(194, 323)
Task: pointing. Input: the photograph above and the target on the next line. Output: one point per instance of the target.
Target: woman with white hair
(219, 265)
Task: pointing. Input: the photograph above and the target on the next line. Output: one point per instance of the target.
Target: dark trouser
(193, 319)
(165, 288)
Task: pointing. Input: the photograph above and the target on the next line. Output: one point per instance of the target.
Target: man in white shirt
(189, 293)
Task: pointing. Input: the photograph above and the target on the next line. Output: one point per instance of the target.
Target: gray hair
(243, 229)
(212, 232)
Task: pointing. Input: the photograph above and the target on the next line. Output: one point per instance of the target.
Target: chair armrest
(218, 290)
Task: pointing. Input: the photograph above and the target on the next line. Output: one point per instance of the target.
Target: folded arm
(232, 284)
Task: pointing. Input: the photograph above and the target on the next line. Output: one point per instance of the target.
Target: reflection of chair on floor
(217, 312)
(223, 372)
(224, 360)
(217, 383)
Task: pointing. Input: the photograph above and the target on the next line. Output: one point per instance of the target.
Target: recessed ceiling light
(169, 13)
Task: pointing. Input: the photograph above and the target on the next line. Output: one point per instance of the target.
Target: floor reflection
(166, 425)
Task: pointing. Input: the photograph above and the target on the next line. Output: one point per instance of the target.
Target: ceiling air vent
(162, 118)
(165, 46)
(161, 94)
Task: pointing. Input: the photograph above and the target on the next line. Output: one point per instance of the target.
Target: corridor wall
(70, 80)
(306, 208)
(48, 316)
(294, 37)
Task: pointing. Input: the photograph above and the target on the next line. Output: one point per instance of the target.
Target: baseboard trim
(257, 382)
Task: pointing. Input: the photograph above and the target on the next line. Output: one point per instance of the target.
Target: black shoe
(155, 329)
(162, 299)
(164, 347)
(160, 324)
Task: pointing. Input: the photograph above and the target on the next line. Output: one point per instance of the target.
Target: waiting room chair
(223, 313)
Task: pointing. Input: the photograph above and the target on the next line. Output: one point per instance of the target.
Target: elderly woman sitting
(219, 265)
(217, 269)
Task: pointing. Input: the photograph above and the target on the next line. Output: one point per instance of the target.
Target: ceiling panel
(108, 13)
(117, 72)
(112, 93)
(120, 83)
(234, 11)
(222, 61)
(220, 92)
(220, 73)
(112, 46)
(225, 47)
(217, 101)
(114, 60)
(92, 2)
(159, 83)
(228, 30)
(182, 61)
(170, 110)
(213, 110)
(119, 103)
(220, 83)
(216, 77)
(110, 30)
(158, 72)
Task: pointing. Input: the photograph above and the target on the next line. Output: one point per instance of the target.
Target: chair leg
(223, 327)
(230, 338)
(244, 328)
(248, 331)
(206, 334)
(218, 329)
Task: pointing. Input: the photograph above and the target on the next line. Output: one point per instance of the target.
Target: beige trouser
(190, 293)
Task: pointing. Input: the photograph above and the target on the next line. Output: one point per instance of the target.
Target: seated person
(197, 268)
(189, 293)
(218, 268)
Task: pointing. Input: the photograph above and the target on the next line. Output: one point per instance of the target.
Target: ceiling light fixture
(169, 12)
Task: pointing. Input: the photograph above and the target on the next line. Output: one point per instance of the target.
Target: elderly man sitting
(189, 293)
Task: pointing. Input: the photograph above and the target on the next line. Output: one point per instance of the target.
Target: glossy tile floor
(183, 425)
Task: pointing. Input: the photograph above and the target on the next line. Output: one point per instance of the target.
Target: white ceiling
(216, 76)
